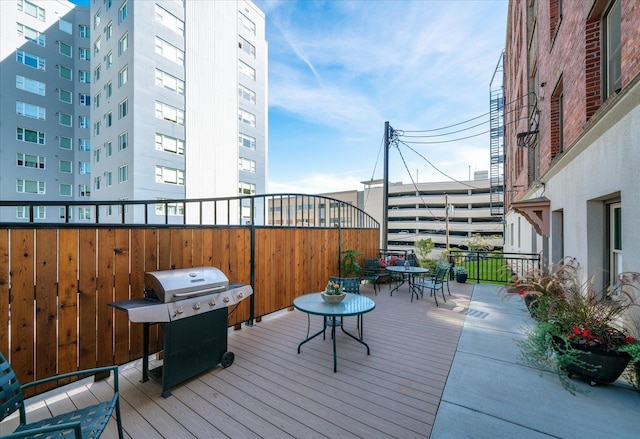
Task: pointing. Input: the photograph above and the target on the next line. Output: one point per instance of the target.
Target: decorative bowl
(333, 298)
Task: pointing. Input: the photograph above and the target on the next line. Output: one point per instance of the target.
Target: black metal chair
(88, 422)
(372, 272)
(435, 284)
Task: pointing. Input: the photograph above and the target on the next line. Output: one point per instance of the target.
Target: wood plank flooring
(271, 391)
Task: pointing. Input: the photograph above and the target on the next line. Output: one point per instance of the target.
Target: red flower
(522, 292)
(628, 340)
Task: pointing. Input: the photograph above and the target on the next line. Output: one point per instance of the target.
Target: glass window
(84, 99)
(123, 76)
(30, 186)
(108, 119)
(170, 82)
(169, 20)
(246, 94)
(65, 96)
(246, 141)
(96, 73)
(108, 31)
(84, 76)
(85, 31)
(247, 47)
(65, 26)
(123, 140)
(31, 9)
(108, 60)
(612, 50)
(96, 155)
(123, 44)
(169, 144)
(97, 45)
(22, 212)
(65, 119)
(123, 108)
(122, 12)
(30, 60)
(246, 188)
(64, 142)
(247, 70)
(108, 148)
(65, 72)
(97, 18)
(30, 85)
(169, 175)
(169, 51)
(246, 164)
(97, 182)
(169, 113)
(31, 35)
(65, 166)
(84, 213)
(84, 145)
(65, 190)
(30, 110)
(84, 121)
(30, 161)
(84, 190)
(123, 173)
(85, 53)
(65, 49)
(97, 128)
(84, 167)
(247, 118)
(109, 178)
(108, 89)
(31, 136)
(247, 24)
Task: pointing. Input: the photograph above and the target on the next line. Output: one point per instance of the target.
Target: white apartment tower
(169, 101)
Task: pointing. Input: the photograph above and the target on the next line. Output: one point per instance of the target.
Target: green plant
(632, 374)
(423, 249)
(573, 315)
(459, 269)
(349, 264)
(333, 289)
(479, 243)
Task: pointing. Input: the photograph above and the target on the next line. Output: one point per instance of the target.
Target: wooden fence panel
(137, 259)
(22, 292)
(121, 292)
(67, 300)
(87, 275)
(46, 304)
(104, 314)
(4, 292)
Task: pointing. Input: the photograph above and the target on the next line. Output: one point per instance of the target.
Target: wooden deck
(272, 392)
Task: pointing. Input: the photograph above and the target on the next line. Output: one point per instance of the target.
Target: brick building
(572, 124)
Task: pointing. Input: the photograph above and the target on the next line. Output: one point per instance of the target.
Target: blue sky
(339, 69)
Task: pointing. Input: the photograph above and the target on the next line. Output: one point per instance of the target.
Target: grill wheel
(227, 359)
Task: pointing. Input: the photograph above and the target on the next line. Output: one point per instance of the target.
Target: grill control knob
(226, 300)
(196, 306)
(180, 310)
(212, 302)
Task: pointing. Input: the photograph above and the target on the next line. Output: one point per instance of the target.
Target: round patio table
(409, 274)
(352, 305)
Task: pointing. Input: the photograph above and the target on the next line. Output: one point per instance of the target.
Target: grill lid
(173, 285)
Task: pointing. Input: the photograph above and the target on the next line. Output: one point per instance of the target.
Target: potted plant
(460, 273)
(579, 329)
(349, 264)
(333, 292)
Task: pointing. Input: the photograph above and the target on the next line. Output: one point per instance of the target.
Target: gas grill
(191, 305)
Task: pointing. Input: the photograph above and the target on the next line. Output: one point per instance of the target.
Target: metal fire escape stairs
(496, 140)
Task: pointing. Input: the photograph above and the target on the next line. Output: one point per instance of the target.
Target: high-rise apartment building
(132, 100)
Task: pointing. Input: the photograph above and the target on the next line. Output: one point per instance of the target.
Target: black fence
(493, 267)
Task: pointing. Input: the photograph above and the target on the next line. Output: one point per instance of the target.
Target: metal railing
(493, 267)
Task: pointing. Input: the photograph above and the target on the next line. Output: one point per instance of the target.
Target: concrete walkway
(489, 394)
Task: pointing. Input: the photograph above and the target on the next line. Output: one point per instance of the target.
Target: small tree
(423, 248)
(479, 243)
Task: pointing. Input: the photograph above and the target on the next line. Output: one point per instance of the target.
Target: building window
(97, 128)
(65, 26)
(108, 89)
(30, 110)
(247, 70)
(84, 213)
(169, 113)
(246, 141)
(246, 164)
(65, 49)
(123, 44)
(108, 31)
(97, 17)
(65, 190)
(123, 173)
(246, 117)
(31, 35)
(30, 60)
(169, 144)
(30, 161)
(612, 48)
(97, 182)
(85, 53)
(84, 167)
(65, 167)
(557, 120)
(97, 45)
(85, 100)
(247, 24)
(169, 20)
(30, 85)
(109, 178)
(169, 51)
(30, 9)
(123, 140)
(65, 119)
(245, 188)
(84, 145)
(65, 142)
(123, 76)
(84, 76)
(22, 212)
(122, 12)
(169, 175)
(555, 17)
(65, 96)
(96, 156)
(84, 190)
(97, 73)
(85, 31)
(30, 186)
(108, 60)
(247, 47)
(108, 148)
(170, 82)
(246, 94)
(173, 209)
(108, 119)
(65, 73)
(31, 136)
(123, 108)
(84, 121)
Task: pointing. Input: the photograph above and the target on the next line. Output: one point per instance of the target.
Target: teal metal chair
(436, 283)
(88, 422)
(349, 285)
(372, 272)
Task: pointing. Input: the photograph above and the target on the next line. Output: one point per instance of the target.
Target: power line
(450, 140)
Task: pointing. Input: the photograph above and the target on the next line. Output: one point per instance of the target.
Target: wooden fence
(55, 283)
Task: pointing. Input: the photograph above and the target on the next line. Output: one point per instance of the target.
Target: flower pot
(598, 365)
(333, 298)
(461, 277)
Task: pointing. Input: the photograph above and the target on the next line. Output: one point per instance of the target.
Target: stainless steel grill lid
(172, 285)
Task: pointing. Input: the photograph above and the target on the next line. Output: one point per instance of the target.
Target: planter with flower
(333, 292)
(580, 330)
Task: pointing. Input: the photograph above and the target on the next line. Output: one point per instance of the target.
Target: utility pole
(385, 186)
(446, 218)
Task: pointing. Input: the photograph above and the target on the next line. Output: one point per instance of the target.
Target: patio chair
(88, 422)
(447, 276)
(435, 284)
(372, 272)
(349, 285)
